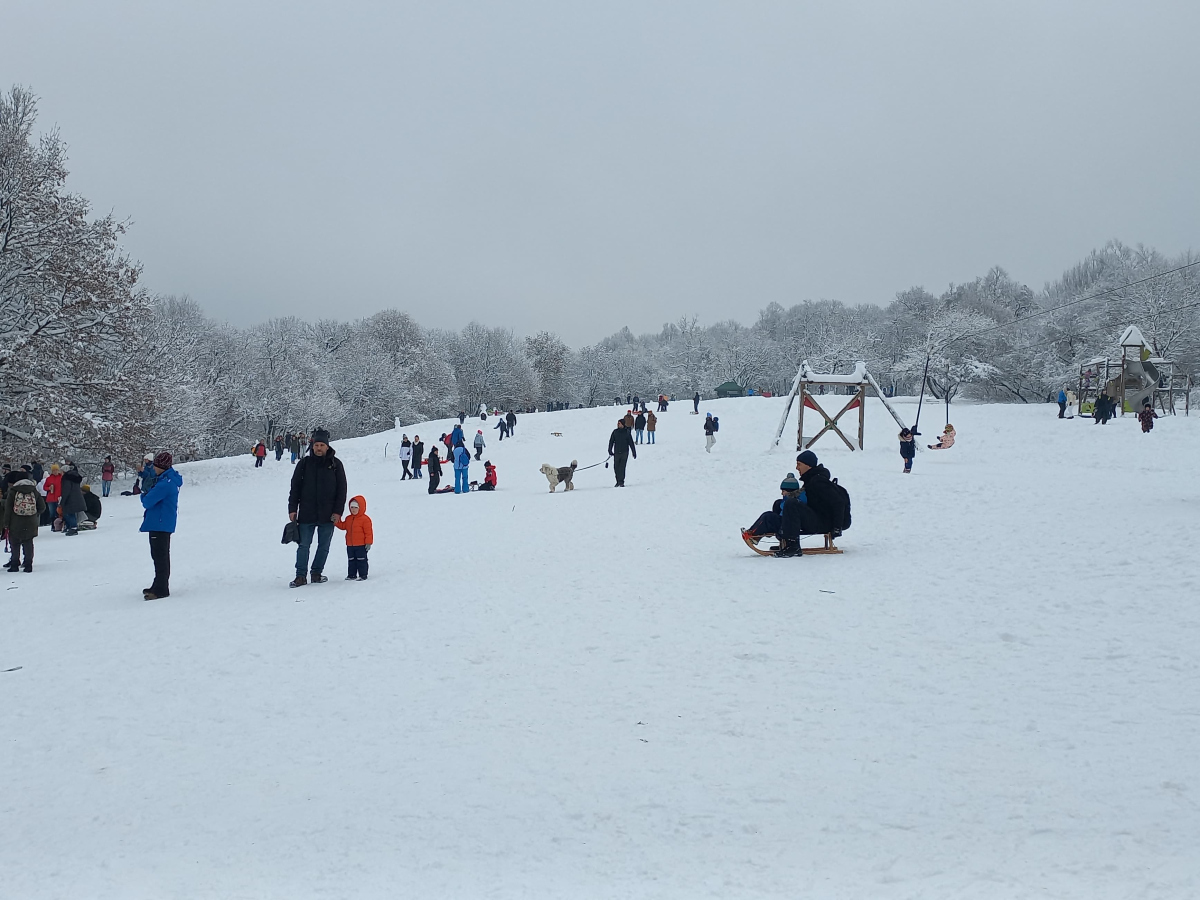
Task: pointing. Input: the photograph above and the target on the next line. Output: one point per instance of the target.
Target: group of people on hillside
(293, 443)
(415, 462)
(32, 498)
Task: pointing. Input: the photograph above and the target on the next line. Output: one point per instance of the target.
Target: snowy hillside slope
(992, 693)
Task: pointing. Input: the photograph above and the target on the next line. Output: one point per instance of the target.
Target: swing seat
(753, 541)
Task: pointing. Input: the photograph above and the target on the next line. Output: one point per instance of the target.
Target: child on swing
(946, 441)
(908, 448)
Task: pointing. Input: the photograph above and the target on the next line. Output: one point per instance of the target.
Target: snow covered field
(993, 693)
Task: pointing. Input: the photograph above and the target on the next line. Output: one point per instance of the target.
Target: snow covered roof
(858, 376)
(1133, 338)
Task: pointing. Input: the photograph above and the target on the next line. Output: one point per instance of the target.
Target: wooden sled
(753, 541)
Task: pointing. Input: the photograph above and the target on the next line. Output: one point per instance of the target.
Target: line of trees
(90, 363)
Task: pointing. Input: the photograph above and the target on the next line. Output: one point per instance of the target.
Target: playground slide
(1141, 378)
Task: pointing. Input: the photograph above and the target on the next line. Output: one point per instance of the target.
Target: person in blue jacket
(462, 461)
(1062, 403)
(161, 503)
(456, 436)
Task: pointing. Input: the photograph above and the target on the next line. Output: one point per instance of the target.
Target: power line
(1052, 309)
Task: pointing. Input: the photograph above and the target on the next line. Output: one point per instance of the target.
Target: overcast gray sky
(582, 166)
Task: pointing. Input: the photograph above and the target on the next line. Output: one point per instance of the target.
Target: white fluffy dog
(560, 476)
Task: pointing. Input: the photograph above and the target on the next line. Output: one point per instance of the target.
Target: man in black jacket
(316, 501)
(825, 509)
(620, 445)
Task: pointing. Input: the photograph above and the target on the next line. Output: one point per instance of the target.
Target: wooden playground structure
(1134, 376)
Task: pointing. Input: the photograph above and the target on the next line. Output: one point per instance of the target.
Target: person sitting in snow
(946, 441)
(360, 535)
(1147, 417)
(489, 479)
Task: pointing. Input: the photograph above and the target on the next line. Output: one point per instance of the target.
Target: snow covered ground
(992, 693)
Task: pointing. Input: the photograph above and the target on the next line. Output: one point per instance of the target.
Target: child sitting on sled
(946, 441)
(783, 519)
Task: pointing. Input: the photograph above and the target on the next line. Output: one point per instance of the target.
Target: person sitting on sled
(772, 520)
(946, 441)
(786, 518)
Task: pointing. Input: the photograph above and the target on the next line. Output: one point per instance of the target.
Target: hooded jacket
(72, 492)
(53, 487)
(22, 528)
(479, 440)
(318, 488)
(651, 421)
(456, 436)
(490, 477)
(161, 502)
(358, 528)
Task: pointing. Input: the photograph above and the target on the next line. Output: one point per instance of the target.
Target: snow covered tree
(70, 309)
(490, 368)
(548, 356)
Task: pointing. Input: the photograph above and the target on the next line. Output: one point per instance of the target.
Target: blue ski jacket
(161, 502)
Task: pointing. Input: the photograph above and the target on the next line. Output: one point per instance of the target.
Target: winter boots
(788, 549)
(298, 581)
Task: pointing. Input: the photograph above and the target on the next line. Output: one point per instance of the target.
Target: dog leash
(603, 462)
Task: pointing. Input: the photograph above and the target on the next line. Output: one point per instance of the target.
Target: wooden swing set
(857, 382)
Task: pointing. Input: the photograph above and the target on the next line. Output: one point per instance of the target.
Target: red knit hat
(163, 460)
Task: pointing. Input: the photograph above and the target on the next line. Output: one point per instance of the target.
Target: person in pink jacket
(946, 441)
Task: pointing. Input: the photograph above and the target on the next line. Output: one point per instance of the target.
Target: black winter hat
(320, 436)
(808, 458)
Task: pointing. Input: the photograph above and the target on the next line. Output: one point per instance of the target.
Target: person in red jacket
(360, 535)
(53, 488)
(489, 479)
(260, 453)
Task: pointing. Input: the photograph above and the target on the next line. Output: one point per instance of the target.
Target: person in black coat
(316, 501)
(908, 448)
(511, 421)
(620, 445)
(418, 460)
(435, 469)
(824, 506)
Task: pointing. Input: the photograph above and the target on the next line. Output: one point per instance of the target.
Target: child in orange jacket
(359, 538)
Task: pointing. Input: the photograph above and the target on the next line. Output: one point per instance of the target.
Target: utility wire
(1052, 309)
